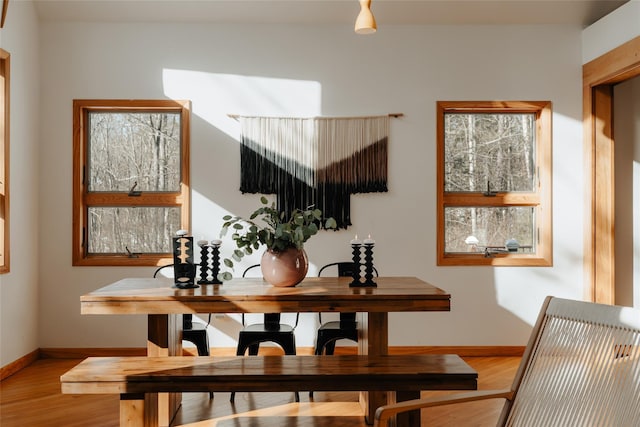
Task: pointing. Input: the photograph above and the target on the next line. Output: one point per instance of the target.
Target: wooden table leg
(373, 339)
(132, 410)
(164, 332)
(139, 410)
(410, 418)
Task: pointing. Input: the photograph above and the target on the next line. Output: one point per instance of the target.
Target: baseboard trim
(464, 351)
(17, 365)
(81, 353)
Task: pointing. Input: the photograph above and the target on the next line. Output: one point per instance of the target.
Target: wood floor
(32, 398)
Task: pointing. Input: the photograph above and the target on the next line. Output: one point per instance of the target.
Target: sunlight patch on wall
(215, 95)
(568, 180)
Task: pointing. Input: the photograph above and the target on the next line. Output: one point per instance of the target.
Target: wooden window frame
(539, 199)
(82, 199)
(5, 248)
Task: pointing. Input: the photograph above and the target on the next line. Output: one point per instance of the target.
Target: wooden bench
(139, 379)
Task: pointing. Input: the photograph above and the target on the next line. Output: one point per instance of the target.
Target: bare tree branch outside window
(488, 153)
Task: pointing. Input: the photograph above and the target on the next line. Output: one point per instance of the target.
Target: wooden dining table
(164, 304)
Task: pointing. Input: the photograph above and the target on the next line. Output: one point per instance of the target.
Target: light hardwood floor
(32, 398)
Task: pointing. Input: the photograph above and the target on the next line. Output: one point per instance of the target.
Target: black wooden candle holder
(355, 271)
(204, 262)
(184, 270)
(368, 265)
(215, 262)
(209, 262)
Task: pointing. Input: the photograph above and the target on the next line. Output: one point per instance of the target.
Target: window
(4, 162)
(494, 183)
(131, 180)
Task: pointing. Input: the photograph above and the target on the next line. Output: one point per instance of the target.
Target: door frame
(599, 77)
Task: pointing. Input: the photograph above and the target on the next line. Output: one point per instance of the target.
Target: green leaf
(330, 223)
(312, 229)
(226, 217)
(228, 262)
(225, 277)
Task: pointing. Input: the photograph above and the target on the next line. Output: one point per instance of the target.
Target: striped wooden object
(581, 368)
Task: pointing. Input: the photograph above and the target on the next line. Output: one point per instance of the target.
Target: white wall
(611, 31)
(627, 195)
(19, 288)
(267, 69)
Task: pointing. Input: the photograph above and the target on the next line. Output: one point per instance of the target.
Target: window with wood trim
(5, 247)
(494, 183)
(131, 180)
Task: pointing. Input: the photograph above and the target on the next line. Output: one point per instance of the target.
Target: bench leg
(139, 410)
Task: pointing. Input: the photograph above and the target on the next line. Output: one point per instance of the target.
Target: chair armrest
(384, 413)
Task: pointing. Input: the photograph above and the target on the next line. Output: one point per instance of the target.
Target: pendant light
(365, 23)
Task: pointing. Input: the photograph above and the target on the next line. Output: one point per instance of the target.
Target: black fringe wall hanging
(314, 161)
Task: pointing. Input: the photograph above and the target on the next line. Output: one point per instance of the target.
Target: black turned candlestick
(204, 262)
(368, 264)
(355, 271)
(215, 262)
(209, 262)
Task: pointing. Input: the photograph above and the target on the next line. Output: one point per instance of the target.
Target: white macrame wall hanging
(314, 161)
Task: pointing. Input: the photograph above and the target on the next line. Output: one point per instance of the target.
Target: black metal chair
(271, 330)
(345, 328)
(194, 332)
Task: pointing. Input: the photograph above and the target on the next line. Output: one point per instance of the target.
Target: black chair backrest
(251, 267)
(159, 269)
(271, 320)
(186, 318)
(345, 269)
(155, 273)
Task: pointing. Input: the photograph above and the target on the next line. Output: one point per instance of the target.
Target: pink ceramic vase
(285, 268)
